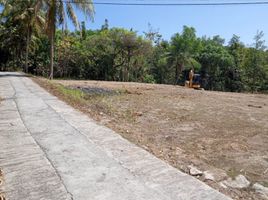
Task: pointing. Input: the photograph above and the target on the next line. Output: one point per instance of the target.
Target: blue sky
(225, 21)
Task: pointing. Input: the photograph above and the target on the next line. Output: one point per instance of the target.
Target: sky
(242, 20)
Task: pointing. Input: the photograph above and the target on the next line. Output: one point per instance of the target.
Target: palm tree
(34, 21)
(56, 12)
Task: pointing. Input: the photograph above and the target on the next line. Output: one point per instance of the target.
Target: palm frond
(60, 12)
(71, 14)
(86, 6)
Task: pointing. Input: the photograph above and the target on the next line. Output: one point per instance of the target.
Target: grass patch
(73, 94)
(91, 103)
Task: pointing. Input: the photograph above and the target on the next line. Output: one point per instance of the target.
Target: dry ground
(225, 133)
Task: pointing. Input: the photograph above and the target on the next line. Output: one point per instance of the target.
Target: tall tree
(159, 67)
(182, 49)
(55, 15)
(259, 43)
(236, 50)
(255, 64)
(216, 65)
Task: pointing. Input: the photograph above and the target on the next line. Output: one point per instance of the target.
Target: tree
(153, 34)
(83, 32)
(105, 26)
(217, 64)
(114, 54)
(12, 35)
(218, 40)
(56, 12)
(182, 49)
(236, 49)
(159, 67)
(259, 43)
(24, 14)
(254, 65)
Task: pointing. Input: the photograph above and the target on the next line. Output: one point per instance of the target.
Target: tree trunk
(178, 71)
(52, 38)
(52, 31)
(27, 50)
(176, 74)
(128, 66)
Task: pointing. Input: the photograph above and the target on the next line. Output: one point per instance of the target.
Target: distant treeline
(118, 54)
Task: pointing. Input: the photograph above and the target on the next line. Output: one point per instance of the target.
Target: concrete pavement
(48, 150)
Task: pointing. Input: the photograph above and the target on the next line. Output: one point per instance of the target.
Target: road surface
(50, 151)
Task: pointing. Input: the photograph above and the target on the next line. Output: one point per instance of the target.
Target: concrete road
(50, 151)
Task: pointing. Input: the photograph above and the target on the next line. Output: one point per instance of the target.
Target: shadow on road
(14, 74)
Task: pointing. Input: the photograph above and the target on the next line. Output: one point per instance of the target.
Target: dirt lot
(223, 133)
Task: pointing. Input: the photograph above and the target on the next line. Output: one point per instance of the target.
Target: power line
(198, 3)
(180, 4)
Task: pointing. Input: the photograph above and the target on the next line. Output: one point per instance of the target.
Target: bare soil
(222, 132)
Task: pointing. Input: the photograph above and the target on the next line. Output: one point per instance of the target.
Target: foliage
(56, 12)
(182, 50)
(117, 54)
(217, 67)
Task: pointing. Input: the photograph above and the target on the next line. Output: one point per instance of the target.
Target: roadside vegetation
(117, 54)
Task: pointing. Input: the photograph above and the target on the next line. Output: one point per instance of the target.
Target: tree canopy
(32, 39)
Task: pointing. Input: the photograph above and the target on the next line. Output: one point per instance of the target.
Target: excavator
(194, 81)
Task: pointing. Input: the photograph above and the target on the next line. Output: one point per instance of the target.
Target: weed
(233, 173)
(75, 94)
